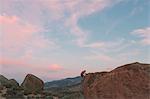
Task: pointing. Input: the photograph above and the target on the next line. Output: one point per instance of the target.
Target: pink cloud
(75, 9)
(19, 36)
(14, 62)
(28, 66)
(55, 67)
(15, 32)
(57, 9)
(143, 33)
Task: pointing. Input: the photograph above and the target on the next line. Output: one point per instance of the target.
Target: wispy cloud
(101, 57)
(27, 66)
(8, 61)
(85, 8)
(112, 59)
(18, 35)
(55, 10)
(95, 45)
(144, 34)
(15, 33)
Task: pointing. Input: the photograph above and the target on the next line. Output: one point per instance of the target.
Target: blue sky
(55, 39)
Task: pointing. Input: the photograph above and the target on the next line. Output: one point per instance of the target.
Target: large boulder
(131, 81)
(32, 84)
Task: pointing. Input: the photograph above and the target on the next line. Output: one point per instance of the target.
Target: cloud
(8, 61)
(116, 52)
(68, 10)
(109, 46)
(55, 67)
(28, 66)
(100, 57)
(18, 35)
(95, 45)
(144, 34)
(109, 60)
(14, 32)
(81, 9)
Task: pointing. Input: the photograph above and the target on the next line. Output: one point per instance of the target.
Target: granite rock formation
(32, 84)
(131, 81)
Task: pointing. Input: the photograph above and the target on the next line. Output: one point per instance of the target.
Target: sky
(55, 39)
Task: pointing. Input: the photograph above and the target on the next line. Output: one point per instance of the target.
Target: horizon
(58, 39)
(45, 81)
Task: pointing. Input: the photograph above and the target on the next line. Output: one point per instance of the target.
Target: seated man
(83, 73)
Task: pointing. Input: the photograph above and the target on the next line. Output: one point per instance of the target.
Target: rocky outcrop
(131, 81)
(32, 87)
(4, 82)
(32, 84)
(10, 89)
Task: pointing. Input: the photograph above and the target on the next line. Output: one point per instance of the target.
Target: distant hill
(69, 88)
(63, 83)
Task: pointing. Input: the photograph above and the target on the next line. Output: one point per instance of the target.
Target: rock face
(131, 81)
(32, 84)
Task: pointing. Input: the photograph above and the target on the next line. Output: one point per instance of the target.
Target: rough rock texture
(14, 83)
(32, 84)
(131, 81)
(10, 89)
(4, 82)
